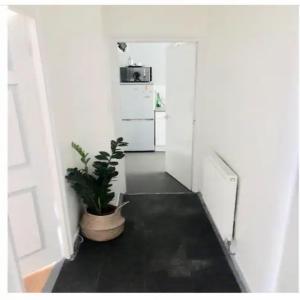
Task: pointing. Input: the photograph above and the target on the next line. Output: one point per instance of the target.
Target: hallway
(189, 112)
(168, 246)
(145, 173)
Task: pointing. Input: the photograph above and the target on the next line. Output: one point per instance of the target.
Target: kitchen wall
(150, 55)
(246, 110)
(77, 73)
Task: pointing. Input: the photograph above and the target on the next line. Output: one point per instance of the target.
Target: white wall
(77, 74)
(287, 280)
(248, 114)
(246, 110)
(153, 22)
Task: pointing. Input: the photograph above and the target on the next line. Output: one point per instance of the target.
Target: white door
(137, 101)
(32, 214)
(180, 93)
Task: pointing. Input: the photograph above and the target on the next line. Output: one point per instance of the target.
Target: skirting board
(231, 261)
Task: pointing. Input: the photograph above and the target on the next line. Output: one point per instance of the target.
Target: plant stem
(99, 205)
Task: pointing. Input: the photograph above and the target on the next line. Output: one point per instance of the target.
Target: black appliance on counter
(133, 74)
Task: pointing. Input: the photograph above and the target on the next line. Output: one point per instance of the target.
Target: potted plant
(101, 221)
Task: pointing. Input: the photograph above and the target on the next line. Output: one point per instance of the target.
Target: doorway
(155, 83)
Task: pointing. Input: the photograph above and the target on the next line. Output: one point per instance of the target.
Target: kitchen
(155, 86)
(143, 95)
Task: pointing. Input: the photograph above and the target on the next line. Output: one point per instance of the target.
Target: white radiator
(219, 194)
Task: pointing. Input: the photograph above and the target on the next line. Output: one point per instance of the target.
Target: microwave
(135, 74)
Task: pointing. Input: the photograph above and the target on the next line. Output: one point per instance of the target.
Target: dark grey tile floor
(160, 182)
(168, 246)
(145, 173)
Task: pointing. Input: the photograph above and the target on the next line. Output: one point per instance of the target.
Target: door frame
(115, 76)
(57, 176)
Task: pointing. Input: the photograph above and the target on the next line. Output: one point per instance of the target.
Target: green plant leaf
(102, 157)
(118, 155)
(83, 155)
(113, 145)
(104, 153)
(95, 190)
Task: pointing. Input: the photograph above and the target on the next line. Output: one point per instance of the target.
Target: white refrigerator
(137, 116)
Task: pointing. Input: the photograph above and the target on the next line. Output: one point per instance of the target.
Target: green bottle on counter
(158, 100)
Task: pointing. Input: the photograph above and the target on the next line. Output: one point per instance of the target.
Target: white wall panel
(16, 153)
(26, 234)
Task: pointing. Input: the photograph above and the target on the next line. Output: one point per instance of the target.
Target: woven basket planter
(102, 228)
